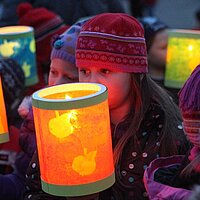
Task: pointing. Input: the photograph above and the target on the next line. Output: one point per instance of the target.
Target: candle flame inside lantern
(67, 97)
(190, 47)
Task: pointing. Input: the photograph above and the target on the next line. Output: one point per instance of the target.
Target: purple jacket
(157, 190)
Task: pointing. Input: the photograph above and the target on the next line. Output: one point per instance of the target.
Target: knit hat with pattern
(64, 45)
(114, 41)
(189, 103)
(45, 23)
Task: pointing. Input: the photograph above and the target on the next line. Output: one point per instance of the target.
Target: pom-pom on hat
(114, 41)
(189, 103)
(152, 26)
(64, 45)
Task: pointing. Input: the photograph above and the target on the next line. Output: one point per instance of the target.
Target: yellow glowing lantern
(73, 138)
(183, 55)
(18, 43)
(4, 136)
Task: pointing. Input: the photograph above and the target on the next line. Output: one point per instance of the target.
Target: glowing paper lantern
(73, 138)
(18, 43)
(183, 55)
(4, 136)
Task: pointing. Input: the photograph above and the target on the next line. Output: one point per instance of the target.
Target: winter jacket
(129, 173)
(163, 178)
(159, 177)
(12, 185)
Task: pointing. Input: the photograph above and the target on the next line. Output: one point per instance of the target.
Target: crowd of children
(155, 142)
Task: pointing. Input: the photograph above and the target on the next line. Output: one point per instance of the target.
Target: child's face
(158, 51)
(118, 84)
(62, 72)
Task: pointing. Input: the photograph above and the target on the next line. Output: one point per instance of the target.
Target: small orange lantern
(4, 136)
(73, 138)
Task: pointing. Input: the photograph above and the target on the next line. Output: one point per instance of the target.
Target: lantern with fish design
(74, 139)
(18, 43)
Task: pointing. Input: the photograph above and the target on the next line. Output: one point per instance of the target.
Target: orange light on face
(183, 55)
(73, 138)
(4, 137)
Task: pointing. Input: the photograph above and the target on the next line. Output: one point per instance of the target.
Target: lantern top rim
(14, 30)
(186, 33)
(99, 94)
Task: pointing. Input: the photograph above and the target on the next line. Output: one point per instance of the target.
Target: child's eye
(105, 71)
(71, 79)
(84, 71)
(53, 72)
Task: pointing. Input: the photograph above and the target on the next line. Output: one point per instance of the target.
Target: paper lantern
(18, 43)
(183, 55)
(73, 138)
(4, 136)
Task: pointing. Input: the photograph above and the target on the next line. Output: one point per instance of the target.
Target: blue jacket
(12, 185)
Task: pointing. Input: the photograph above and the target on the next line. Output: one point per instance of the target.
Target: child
(146, 124)
(62, 70)
(156, 37)
(174, 177)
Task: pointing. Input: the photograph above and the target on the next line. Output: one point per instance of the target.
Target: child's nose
(94, 78)
(60, 80)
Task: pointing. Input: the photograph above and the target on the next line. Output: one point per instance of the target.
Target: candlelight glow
(74, 139)
(190, 47)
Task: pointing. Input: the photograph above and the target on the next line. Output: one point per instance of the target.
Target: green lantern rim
(18, 34)
(184, 33)
(4, 137)
(39, 100)
(174, 84)
(79, 190)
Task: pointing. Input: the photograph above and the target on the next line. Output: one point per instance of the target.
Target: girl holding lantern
(179, 174)
(146, 123)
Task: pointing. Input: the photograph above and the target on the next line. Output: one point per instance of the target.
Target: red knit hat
(45, 23)
(114, 41)
(189, 103)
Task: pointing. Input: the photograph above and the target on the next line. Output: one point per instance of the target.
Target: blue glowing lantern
(18, 43)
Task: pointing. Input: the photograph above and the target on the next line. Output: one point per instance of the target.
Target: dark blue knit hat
(151, 25)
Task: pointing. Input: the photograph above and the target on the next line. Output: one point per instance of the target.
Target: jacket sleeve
(12, 186)
(158, 190)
